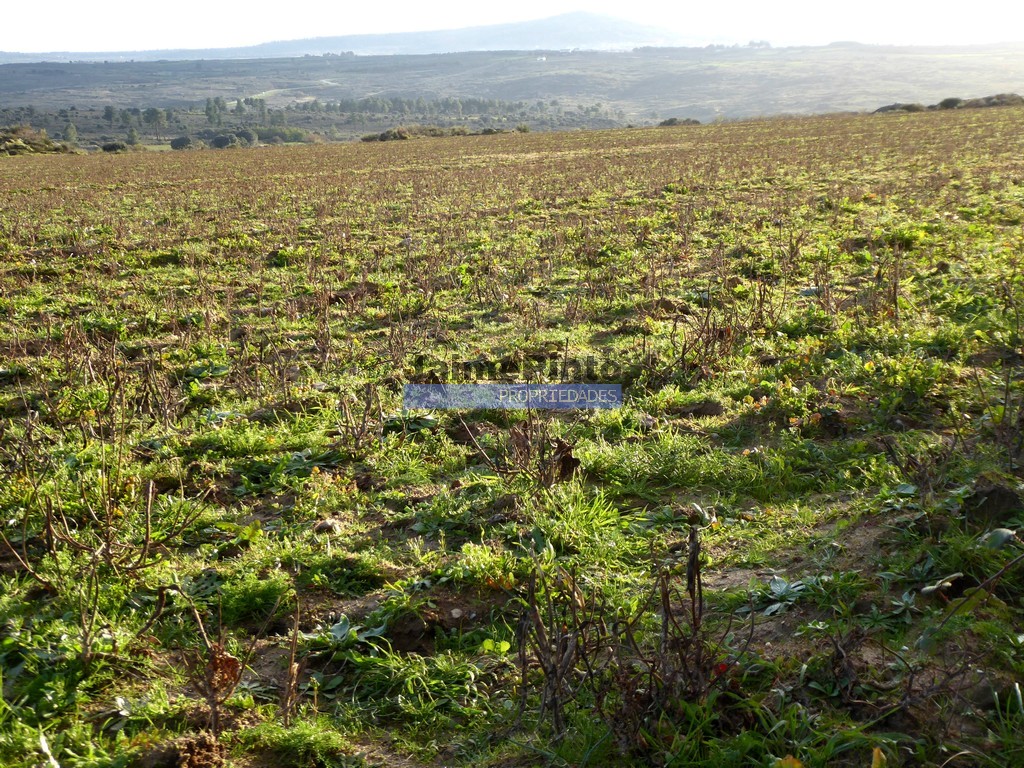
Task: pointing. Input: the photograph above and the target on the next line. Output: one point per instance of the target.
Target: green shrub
(224, 141)
(281, 133)
(253, 597)
(183, 142)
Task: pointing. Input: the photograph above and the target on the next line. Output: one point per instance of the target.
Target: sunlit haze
(122, 26)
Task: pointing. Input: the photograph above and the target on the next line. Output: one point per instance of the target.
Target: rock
(329, 525)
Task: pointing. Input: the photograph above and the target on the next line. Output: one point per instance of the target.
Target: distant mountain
(580, 30)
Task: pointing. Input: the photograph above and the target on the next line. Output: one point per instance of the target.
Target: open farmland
(226, 542)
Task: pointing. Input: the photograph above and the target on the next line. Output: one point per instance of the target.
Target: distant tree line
(672, 121)
(402, 132)
(222, 122)
(397, 105)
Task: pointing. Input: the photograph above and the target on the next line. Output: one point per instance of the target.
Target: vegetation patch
(23, 140)
(226, 540)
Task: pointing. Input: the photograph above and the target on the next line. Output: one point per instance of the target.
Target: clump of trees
(403, 132)
(225, 141)
(243, 137)
(23, 140)
(185, 142)
(999, 100)
(282, 133)
(398, 133)
(673, 121)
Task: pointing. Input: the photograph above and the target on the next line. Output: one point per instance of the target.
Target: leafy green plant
(314, 743)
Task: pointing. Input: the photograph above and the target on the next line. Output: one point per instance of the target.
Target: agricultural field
(226, 543)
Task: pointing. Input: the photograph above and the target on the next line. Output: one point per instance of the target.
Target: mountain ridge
(580, 30)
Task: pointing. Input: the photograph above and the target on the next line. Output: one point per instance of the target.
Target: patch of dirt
(703, 408)
(505, 508)
(379, 754)
(367, 482)
(990, 356)
(468, 433)
(282, 411)
(200, 750)
(34, 347)
(415, 631)
(192, 713)
(269, 507)
(515, 761)
(733, 578)
(776, 636)
(269, 662)
(860, 543)
(9, 564)
(392, 531)
(323, 608)
(993, 504)
(414, 496)
(665, 306)
(257, 760)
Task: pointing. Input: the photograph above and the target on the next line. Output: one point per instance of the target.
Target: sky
(119, 25)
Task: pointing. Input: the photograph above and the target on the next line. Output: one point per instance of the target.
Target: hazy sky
(119, 25)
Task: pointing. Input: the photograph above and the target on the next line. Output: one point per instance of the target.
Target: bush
(999, 100)
(253, 598)
(395, 134)
(249, 137)
(117, 146)
(23, 140)
(278, 134)
(182, 142)
(951, 103)
(391, 134)
(225, 140)
(673, 121)
(403, 132)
